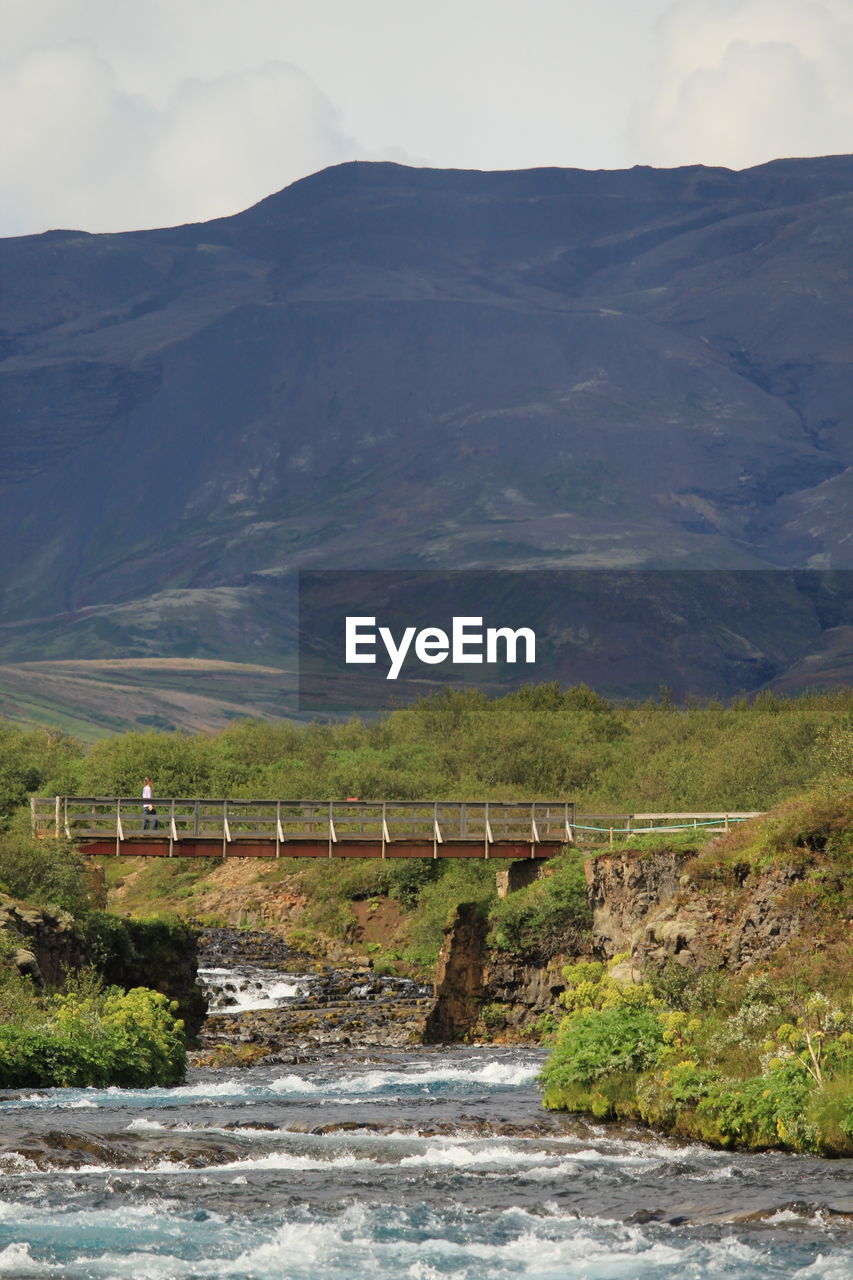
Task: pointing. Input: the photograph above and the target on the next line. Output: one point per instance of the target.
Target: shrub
(49, 872)
(459, 881)
(550, 915)
(589, 987)
(130, 1039)
(596, 1055)
(30, 757)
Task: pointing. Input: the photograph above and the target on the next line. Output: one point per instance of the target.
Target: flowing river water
(389, 1162)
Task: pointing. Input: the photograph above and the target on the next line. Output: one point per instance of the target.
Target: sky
(123, 114)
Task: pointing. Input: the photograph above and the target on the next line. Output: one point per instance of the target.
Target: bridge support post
(333, 837)
(518, 875)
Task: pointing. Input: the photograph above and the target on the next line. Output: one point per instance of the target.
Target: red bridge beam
(199, 847)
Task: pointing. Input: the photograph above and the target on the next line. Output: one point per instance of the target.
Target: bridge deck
(205, 828)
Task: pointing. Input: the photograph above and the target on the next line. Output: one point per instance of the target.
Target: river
(387, 1163)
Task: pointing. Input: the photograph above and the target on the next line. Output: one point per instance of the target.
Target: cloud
(739, 82)
(251, 132)
(161, 111)
(87, 154)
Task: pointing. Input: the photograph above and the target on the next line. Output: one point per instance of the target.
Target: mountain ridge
(390, 367)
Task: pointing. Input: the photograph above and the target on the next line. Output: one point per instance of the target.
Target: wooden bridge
(307, 828)
(206, 828)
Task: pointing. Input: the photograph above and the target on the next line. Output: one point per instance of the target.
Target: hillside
(95, 698)
(382, 366)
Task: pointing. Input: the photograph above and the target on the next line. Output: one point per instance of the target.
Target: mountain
(413, 368)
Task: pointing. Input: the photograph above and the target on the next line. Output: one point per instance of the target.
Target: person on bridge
(149, 813)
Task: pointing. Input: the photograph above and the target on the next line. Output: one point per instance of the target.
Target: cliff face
(648, 905)
(482, 992)
(459, 977)
(623, 889)
(701, 928)
(651, 906)
(159, 954)
(50, 944)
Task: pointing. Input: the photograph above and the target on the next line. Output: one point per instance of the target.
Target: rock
(623, 889)
(339, 1007)
(459, 977)
(518, 875)
(720, 927)
(51, 937)
(674, 934)
(627, 973)
(27, 965)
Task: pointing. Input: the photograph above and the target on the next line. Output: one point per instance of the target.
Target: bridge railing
(350, 821)
(439, 821)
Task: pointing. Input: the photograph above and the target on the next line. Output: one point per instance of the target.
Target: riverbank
(730, 1017)
(723, 1014)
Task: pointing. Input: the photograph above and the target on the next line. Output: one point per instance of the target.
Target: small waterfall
(243, 989)
(262, 993)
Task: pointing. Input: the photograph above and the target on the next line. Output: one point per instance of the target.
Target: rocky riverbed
(269, 1002)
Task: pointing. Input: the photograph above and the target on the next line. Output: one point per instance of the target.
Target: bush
(537, 741)
(596, 1054)
(796, 832)
(131, 1039)
(768, 1068)
(49, 872)
(30, 757)
(178, 763)
(459, 881)
(548, 916)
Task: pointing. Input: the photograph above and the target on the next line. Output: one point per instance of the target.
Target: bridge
(205, 828)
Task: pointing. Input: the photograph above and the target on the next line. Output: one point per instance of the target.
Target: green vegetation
(331, 885)
(31, 759)
(462, 881)
(125, 951)
(49, 872)
(805, 831)
(87, 1035)
(761, 1058)
(91, 1033)
(766, 1068)
(549, 915)
(663, 1052)
(536, 742)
